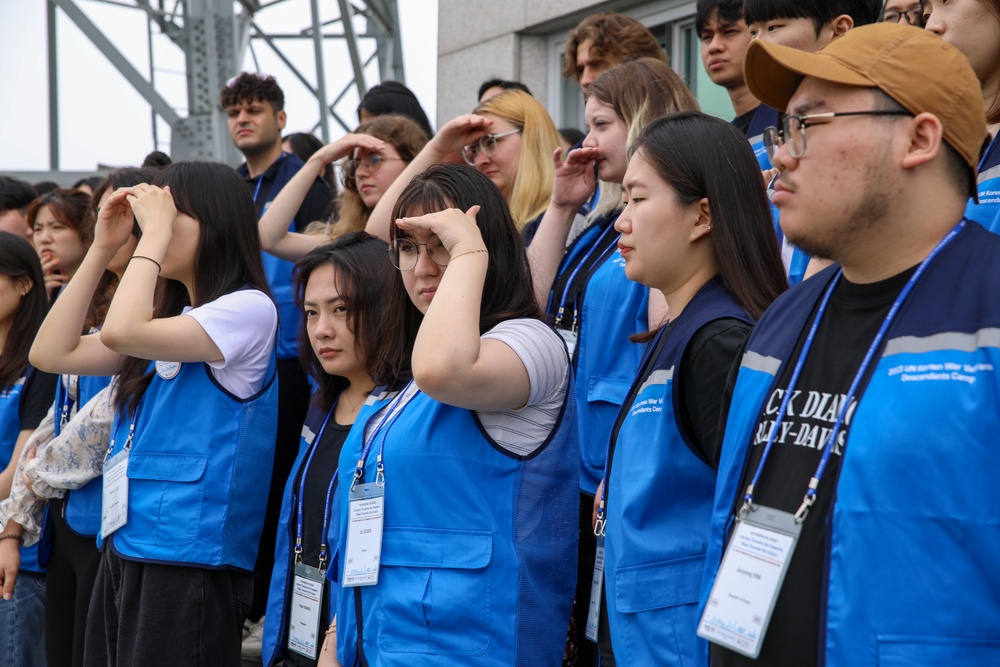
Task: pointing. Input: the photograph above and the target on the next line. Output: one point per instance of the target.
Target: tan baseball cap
(912, 66)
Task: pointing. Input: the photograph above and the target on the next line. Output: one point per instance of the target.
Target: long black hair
(20, 263)
(228, 254)
(701, 156)
(507, 291)
(365, 280)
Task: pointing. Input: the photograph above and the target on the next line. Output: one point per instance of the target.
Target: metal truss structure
(214, 36)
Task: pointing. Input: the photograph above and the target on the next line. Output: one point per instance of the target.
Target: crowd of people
(672, 391)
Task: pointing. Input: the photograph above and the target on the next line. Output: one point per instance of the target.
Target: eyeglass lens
(404, 253)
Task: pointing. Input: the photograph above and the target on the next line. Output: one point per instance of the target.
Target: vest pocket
(657, 585)
(907, 650)
(434, 590)
(165, 498)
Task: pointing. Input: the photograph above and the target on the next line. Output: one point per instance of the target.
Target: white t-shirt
(242, 325)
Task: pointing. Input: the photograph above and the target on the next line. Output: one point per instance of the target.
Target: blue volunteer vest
(276, 618)
(987, 211)
(659, 505)
(278, 271)
(910, 576)
(81, 507)
(10, 429)
(200, 458)
(478, 560)
(763, 118)
(605, 361)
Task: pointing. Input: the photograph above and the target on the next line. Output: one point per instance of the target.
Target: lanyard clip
(128, 440)
(379, 472)
(298, 550)
(359, 473)
(323, 557)
(807, 501)
(63, 417)
(600, 523)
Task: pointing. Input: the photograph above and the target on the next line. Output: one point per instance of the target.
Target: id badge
(307, 606)
(570, 337)
(364, 536)
(596, 584)
(749, 580)
(114, 499)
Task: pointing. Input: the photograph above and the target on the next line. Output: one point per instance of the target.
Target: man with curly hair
(604, 40)
(254, 104)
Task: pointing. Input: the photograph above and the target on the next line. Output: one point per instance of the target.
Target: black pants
(585, 650)
(165, 615)
(293, 403)
(72, 569)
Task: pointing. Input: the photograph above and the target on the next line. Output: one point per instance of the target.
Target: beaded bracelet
(12, 536)
(470, 252)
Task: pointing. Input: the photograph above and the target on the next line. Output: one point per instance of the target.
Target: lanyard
(67, 403)
(810, 496)
(260, 179)
(323, 556)
(986, 154)
(128, 439)
(651, 353)
(582, 263)
(391, 414)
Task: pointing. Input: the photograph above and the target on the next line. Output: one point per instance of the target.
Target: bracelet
(12, 536)
(332, 630)
(469, 252)
(158, 267)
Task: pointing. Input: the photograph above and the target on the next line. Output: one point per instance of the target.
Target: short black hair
(157, 160)
(730, 11)
(15, 193)
(45, 187)
(394, 97)
(250, 86)
(501, 83)
(820, 12)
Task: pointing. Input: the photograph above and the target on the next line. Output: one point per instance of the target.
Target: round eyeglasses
(403, 253)
(371, 163)
(913, 16)
(792, 134)
(487, 144)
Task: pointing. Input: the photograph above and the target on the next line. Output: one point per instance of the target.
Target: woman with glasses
(899, 11)
(458, 483)
(973, 27)
(697, 227)
(374, 156)
(591, 301)
(342, 289)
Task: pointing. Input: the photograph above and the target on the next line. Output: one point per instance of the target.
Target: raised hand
(457, 231)
(574, 177)
(154, 208)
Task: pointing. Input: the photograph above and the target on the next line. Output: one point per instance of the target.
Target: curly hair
(250, 86)
(614, 37)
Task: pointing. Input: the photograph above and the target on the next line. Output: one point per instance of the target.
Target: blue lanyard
(986, 154)
(260, 179)
(650, 351)
(323, 555)
(67, 403)
(390, 415)
(579, 266)
(810, 496)
(128, 440)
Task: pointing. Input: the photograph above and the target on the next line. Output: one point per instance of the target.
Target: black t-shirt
(848, 328)
(743, 120)
(321, 472)
(313, 207)
(37, 396)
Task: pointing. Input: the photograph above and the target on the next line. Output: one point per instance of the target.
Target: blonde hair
(532, 187)
(638, 91)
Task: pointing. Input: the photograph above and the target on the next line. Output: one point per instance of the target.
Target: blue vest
(275, 638)
(912, 535)
(605, 361)
(987, 211)
(659, 505)
(81, 507)
(278, 271)
(10, 429)
(200, 458)
(479, 547)
(763, 118)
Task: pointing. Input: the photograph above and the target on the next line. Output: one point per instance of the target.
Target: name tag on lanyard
(307, 607)
(596, 586)
(748, 582)
(363, 553)
(114, 499)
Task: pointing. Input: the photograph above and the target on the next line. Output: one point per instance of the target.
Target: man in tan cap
(855, 520)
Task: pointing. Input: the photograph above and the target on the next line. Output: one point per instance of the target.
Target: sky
(103, 120)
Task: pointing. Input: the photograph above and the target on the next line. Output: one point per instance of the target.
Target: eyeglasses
(487, 144)
(914, 17)
(371, 163)
(793, 129)
(403, 253)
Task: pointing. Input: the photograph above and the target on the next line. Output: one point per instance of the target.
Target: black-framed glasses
(371, 163)
(487, 144)
(914, 16)
(403, 253)
(793, 129)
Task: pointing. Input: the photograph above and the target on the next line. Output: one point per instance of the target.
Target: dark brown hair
(250, 86)
(19, 260)
(616, 35)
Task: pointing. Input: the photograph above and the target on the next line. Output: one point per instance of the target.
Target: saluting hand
(457, 231)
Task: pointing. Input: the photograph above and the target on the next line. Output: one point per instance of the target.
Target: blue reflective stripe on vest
(987, 211)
